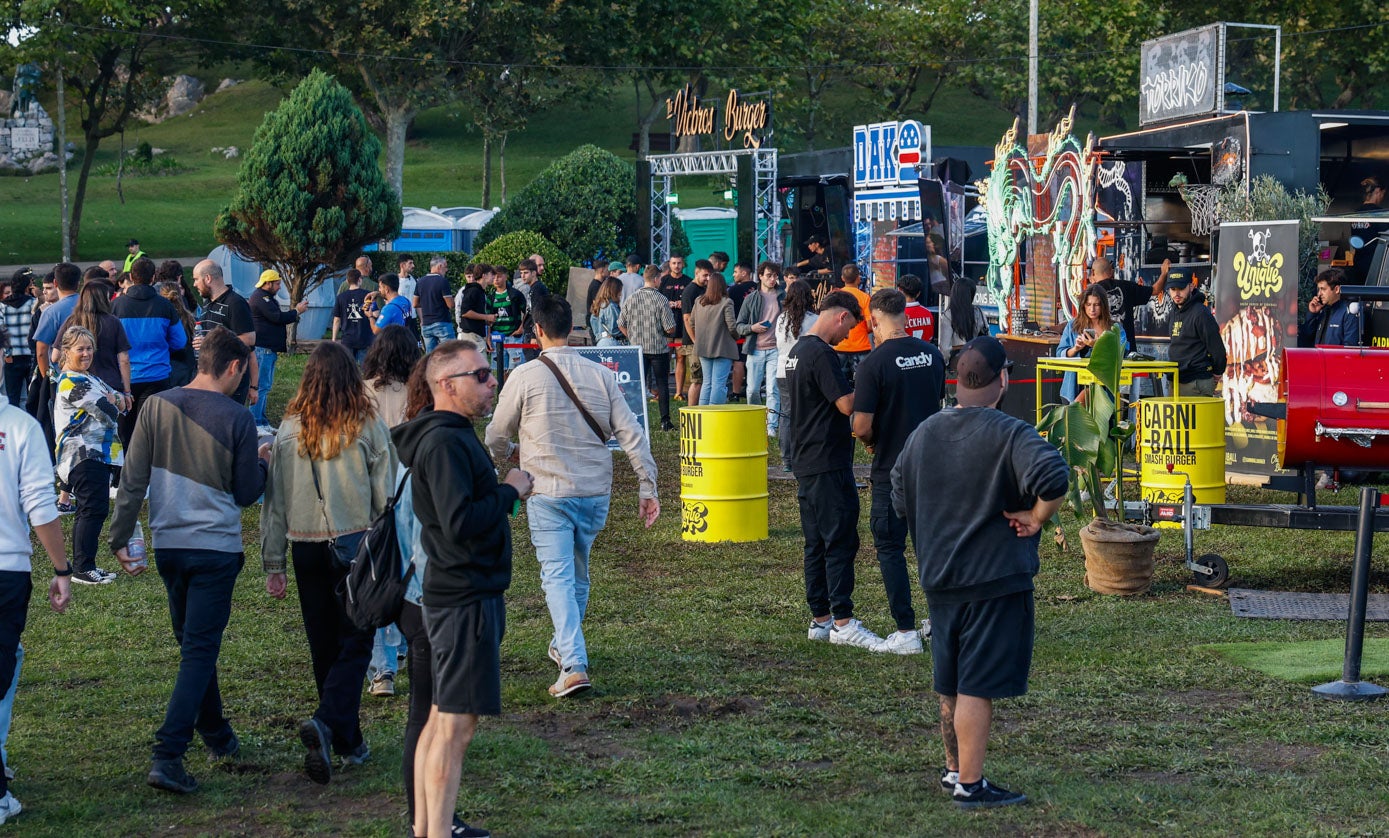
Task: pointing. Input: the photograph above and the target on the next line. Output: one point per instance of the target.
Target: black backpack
(373, 591)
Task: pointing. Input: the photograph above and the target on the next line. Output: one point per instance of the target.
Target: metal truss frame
(666, 167)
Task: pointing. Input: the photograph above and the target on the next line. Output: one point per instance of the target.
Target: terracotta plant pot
(1118, 557)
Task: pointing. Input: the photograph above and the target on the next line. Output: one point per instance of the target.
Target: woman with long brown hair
(1092, 319)
(183, 363)
(331, 474)
(602, 316)
(715, 332)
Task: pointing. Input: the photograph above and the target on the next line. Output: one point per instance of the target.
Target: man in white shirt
(568, 458)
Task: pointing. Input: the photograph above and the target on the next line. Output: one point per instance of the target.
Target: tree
(113, 57)
(584, 202)
(310, 192)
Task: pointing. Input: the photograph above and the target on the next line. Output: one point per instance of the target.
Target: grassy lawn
(712, 714)
(172, 215)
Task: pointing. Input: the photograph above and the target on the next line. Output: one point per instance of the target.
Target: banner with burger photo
(1255, 292)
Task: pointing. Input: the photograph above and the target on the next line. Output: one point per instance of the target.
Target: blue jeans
(7, 705)
(17, 373)
(266, 359)
(199, 584)
(563, 531)
(436, 333)
(384, 651)
(762, 384)
(715, 387)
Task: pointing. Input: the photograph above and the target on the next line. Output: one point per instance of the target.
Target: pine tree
(310, 192)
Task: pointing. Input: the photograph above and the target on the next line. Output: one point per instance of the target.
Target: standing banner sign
(626, 364)
(1255, 294)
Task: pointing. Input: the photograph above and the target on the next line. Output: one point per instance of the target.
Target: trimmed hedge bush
(510, 249)
(584, 202)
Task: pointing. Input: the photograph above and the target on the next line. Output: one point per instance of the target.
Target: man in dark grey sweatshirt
(975, 486)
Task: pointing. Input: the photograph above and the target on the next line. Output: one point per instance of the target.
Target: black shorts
(467, 660)
(983, 648)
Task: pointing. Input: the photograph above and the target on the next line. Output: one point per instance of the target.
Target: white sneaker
(853, 633)
(819, 631)
(926, 629)
(901, 643)
(9, 807)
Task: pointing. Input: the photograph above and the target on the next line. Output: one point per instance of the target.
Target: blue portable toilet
(423, 231)
(242, 275)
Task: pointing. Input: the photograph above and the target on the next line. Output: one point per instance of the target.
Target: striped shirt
(645, 318)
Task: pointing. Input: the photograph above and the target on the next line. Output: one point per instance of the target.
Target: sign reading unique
(1178, 75)
(1256, 307)
(692, 116)
(890, 153)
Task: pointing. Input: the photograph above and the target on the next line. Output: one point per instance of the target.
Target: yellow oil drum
(723, 473)
(1189, 434)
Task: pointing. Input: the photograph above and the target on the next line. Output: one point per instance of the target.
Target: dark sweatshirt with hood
(461, 507)
(1196, 345)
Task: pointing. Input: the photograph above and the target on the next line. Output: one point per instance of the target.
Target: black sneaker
(91, 577)
(667, 426)
(358, 756)
(318, 762)
(226, 753)
(462, 830)
(169, 775)
(948, 779)
(986, 796)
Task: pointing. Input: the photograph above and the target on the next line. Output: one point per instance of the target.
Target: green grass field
(173, 215)
(712, 714)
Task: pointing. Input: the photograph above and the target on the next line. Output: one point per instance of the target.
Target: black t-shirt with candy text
(821, 439)
(901, 382)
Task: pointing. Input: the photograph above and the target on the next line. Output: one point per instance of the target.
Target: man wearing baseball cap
(975, 486)
(135, 253)
(270, 323)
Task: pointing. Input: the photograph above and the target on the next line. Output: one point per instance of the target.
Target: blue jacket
(154, 330)
(1069, 385)
(1342, 327)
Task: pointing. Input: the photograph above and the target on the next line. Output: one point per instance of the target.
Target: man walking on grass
(899, 384)
(646, 320)
(462, 511)
(822, 458)
(563, 408)
(197, 455)
(975, 486)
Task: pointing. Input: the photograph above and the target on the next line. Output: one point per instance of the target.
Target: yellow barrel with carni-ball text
(723, 473)
(1187, 433)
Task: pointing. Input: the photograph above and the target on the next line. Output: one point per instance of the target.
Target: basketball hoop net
(1204, 202)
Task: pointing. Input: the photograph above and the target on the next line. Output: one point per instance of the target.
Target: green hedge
(510, 249)
(584, 202)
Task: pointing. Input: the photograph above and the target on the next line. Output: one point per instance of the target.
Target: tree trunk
(486, 170)
(63, 162)
(397, 123)
(75, 225)
(501, 164)
(657, 108)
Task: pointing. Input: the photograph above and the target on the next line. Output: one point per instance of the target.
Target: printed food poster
(1256, 306)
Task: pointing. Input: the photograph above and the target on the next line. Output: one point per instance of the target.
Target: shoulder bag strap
(573, 397)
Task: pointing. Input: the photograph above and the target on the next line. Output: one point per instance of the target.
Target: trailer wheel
(1220, 571)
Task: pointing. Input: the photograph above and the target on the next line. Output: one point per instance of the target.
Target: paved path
(40, 268)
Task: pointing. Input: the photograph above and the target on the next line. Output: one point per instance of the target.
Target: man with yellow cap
(270, 322)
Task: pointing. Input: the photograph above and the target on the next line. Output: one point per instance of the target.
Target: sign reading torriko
(1179, 75)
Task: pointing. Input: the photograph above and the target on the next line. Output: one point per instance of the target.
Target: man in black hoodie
(976, 532)
(1196, 345)
(462, 511)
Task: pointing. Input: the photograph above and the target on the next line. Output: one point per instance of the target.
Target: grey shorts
(466, 641)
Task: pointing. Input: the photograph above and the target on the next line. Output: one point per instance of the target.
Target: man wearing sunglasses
(462, 511)
(975, 486)
(564, 408)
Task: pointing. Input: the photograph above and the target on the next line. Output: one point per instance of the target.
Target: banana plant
(1090, 432)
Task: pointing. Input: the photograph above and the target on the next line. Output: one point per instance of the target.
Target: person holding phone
(759, 311)
(1092, 319)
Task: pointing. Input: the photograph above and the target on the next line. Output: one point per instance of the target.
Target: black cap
(25, 274)
(980, 361)
(133, 243)
(1178, 279)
